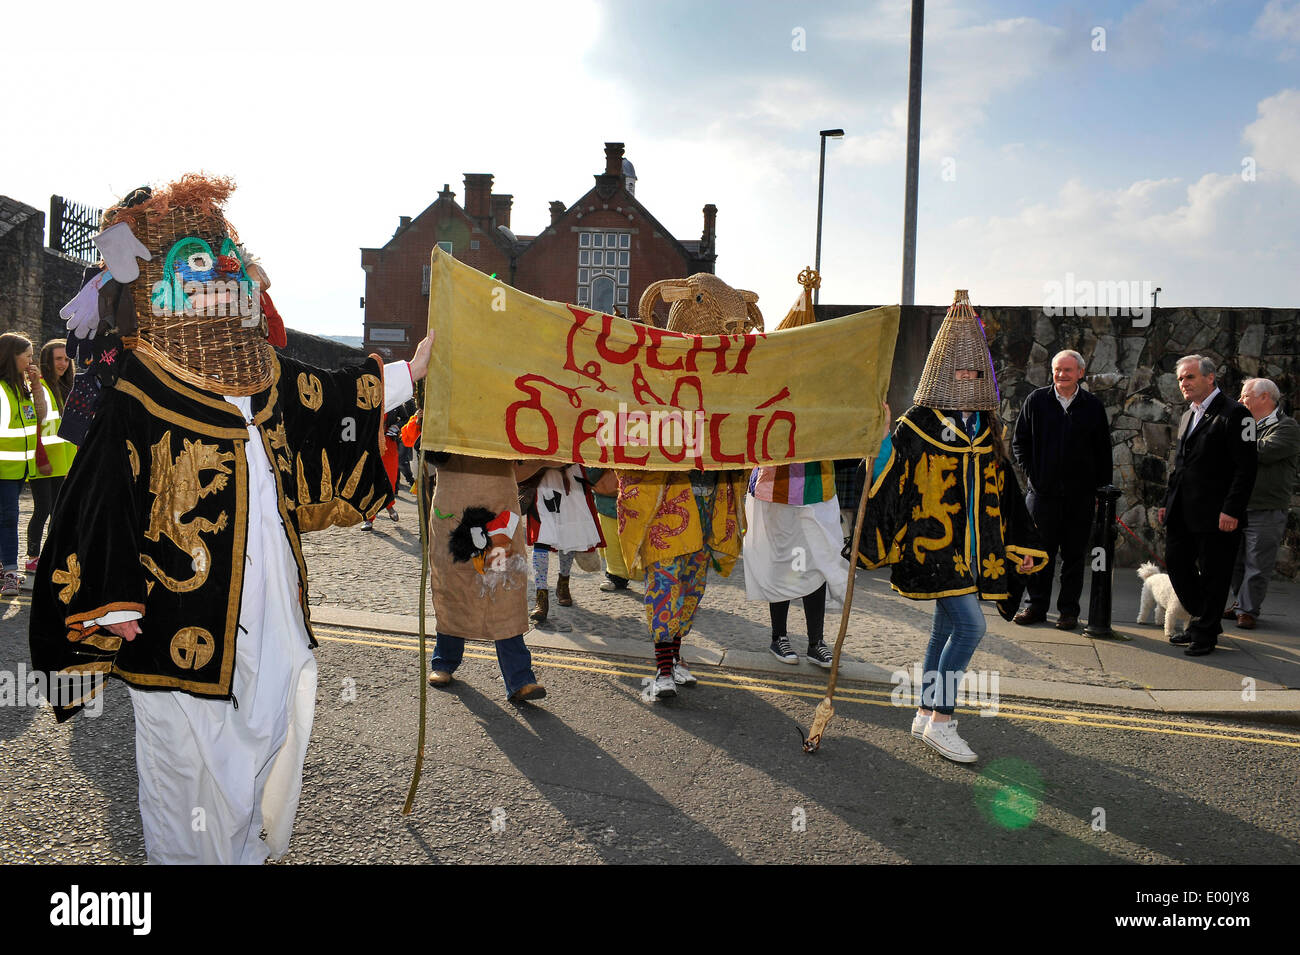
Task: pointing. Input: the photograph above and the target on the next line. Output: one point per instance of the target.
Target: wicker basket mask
(960, 345)
(219, 350)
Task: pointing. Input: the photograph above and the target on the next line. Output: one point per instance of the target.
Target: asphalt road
(594, 774)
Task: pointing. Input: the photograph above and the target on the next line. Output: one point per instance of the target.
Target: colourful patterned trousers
(673, 590)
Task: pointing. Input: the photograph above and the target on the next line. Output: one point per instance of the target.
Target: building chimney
(478, 195)
(557, 211)
(403, 221)
(446, 193)
(501, 210)
(710, 229)
(614, 159)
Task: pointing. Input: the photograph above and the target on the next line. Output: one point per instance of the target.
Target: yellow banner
(513, 376)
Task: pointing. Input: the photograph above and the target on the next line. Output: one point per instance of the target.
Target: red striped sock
(664, 658)
(677, 649)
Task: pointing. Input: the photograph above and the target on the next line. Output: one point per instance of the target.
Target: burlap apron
(490, 605)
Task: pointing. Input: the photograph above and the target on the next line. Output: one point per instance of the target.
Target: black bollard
(1102, 556)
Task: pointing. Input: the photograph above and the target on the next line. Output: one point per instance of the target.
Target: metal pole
(821, 184)
(913, 154)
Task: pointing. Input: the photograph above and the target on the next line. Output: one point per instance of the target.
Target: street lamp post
(821, 186)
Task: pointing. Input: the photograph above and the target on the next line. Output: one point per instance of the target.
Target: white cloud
(1280, 19)
(1274, 138)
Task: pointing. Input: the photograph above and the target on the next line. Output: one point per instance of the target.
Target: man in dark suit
(1205, 505)
(1062, 443)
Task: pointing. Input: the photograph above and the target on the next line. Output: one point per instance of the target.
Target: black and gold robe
(918, 512)
(153, 519)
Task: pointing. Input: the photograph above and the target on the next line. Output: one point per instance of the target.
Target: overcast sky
(1153, 141)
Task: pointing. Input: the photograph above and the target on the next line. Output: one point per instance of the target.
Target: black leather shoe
(1067, 622)
(1199, 649)
(1181, 639)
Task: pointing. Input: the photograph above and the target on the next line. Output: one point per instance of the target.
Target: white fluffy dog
(1158, 598)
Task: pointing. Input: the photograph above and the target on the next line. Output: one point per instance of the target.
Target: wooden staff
(826, 709)
(424, 574)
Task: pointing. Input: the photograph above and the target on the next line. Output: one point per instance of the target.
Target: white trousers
(212, 777)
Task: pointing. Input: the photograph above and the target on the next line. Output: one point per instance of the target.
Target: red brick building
(600, 252)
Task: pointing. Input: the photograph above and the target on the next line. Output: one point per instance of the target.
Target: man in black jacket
(1062, 443)
(1205, 505)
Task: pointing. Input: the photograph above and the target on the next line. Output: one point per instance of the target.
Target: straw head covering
(195, 252)
(702, 304)
(959, 346)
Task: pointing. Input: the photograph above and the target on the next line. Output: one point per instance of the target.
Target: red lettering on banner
(533, 403)
(657, 335)
(582, 436)
(715, 441)
(745, 348)
(641, 388)
(719, 350)
(787, 417)
(609, 354)
(779, 396)
(622, 458)
(673, 426)
(592, 368)
(694, 382)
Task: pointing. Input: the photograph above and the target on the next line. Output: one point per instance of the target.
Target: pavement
(1252, 675)
(366, 580)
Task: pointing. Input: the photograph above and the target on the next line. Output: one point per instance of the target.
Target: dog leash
(1142, 542)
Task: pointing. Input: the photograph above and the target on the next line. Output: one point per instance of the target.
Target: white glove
(120, 249)
(82, 313)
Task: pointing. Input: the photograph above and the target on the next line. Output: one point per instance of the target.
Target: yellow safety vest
(17, 435)
(60, 450)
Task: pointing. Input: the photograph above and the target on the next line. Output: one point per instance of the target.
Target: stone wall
(1131, 368)
(22, 240)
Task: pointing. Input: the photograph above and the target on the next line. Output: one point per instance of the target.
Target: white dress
(214, 775)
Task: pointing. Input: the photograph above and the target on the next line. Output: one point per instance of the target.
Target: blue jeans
(957, 630)
(512, 656)
(9, 491)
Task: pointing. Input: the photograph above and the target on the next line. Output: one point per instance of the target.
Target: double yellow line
(1023, 712)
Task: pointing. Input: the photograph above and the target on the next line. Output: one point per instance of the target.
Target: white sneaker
(657, 688)
(683, 676)
(919, 722)
(11, 584)
(943, 739)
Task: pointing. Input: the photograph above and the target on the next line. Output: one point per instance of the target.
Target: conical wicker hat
(801, 312)
(960, 345)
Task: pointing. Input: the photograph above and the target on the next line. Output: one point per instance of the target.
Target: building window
(473, 245)
(424, 282)
(602, 294)
(388, 334)
(603, 269)
(446, 247)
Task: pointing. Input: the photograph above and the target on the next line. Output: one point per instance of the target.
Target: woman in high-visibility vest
(18, 423)
(57, 375)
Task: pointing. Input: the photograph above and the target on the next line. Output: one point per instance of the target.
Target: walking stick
(424, 573)
(826, 709)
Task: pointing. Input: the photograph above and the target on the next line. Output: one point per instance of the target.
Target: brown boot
(562, 592)
(538, 613)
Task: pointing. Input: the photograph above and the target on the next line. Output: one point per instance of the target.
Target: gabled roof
(497, 238)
